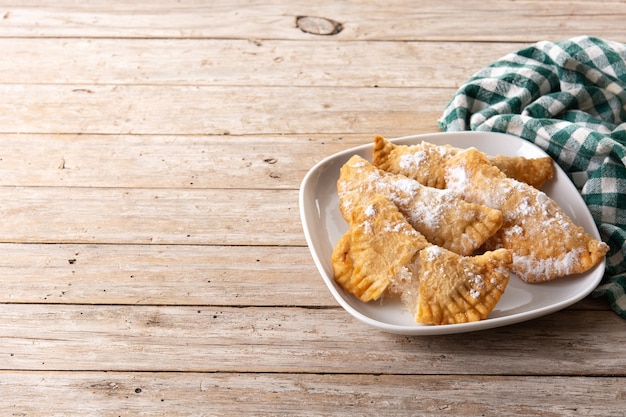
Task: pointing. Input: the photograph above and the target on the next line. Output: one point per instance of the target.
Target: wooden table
(153, 260)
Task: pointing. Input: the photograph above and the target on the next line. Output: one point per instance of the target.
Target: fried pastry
(455, 289)
(425, 162)
(532, 171)
(341, 261)
(381, 244)
(382, 253)
(440, 215)
(411, 238)
(546, 244)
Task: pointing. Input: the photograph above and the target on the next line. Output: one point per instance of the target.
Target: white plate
(324, 225)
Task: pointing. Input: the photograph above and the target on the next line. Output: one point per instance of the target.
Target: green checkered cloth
(569, 98)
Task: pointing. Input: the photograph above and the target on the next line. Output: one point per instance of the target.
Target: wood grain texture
(217, 338)
(153, 260)
(150, 216)
(170, 275)
(219, 110)
(217, 394)
(244, 62)
(166, 161)
(458, 20)
(161, 275)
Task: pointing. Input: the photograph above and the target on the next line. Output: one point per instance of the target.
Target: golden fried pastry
(382, 253)
(382, 243)
(409, 237)
(546, 244)
(532, 171)
(440, 215)
(341, 261)
(455, 289)
(425, 162)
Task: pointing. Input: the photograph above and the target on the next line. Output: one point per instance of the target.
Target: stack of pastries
(443, 228)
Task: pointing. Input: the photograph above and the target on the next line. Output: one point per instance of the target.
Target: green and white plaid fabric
(569, 98)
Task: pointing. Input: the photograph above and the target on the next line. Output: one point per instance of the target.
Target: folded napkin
(569, 98)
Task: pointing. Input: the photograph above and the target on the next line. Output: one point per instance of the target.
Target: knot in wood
(318, 25)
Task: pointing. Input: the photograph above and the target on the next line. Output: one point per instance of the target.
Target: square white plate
(324, 225)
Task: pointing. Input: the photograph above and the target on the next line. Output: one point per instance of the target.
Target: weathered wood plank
(396, 20)
(225, 339)
(154, 278)
(153, 110)
(247, 63)
(150, 216)
(169, 275)
(161, 274)
(217, 394)
(177, 161)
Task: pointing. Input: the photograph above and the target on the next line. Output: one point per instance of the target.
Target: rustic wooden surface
(153, 262)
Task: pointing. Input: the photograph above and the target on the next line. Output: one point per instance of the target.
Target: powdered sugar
(370, 211)
(475, 279)
(514, 230)
(424, 214)
(405, 185)
(394, 228)
(547, 244)
(413, 160)
(433, 252)
(367, 227)
(533, 266)
(476, 282)
(422, 206)
(457, 179)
